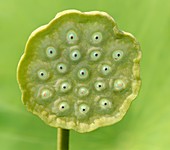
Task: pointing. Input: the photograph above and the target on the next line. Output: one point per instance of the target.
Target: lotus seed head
(74, 71)
(117, 55)
(51, 52)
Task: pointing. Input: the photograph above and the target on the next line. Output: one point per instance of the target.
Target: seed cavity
(65, 87)
(60, 107)
(119, 85)
(95, 55)
(75, 55)
(83, 73)
(63, 106)
(105, 103)
(83, 91)
(46, 94)
(117, 55)
(106, 69)
(43, 74)
(61, 68)
(99, 86)
(97, 37)
(71, 37)
(84, 108)
(51, 52)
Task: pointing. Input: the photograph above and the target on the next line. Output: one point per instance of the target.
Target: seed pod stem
(63, 139)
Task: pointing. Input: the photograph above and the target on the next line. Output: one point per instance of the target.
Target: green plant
(79, 72)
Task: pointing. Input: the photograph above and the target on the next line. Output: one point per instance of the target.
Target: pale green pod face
(80, 71)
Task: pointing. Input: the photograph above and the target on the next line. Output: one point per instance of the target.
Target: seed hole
(97, 37)
(75, 55)
(61, 68)
(99, 86)
(95, 55)
(84, 108)
(105, 103)
(83, 73)
(65, 87)
(71, 37)
(43, 74)
(51, 52)
(106, 69)
(63, 106)
(117, 55)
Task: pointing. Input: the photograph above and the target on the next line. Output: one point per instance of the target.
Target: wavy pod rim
(102, 121)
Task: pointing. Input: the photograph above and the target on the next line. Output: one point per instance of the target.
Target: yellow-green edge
(52, 120)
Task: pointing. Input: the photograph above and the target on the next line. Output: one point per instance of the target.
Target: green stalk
(63, 139)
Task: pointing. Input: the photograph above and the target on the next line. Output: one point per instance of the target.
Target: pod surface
(80, 71)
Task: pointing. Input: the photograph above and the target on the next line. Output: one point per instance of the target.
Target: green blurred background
(147, 123)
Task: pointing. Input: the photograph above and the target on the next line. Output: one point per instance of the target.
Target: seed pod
(80, 71)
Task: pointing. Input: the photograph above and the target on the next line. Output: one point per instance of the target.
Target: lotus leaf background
(146, 125)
